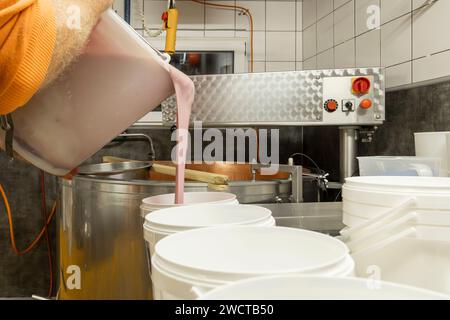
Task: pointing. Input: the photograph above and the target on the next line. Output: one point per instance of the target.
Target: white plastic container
(318, 288)
(434, 144)
(399, 227)
(162, 223)
(425, 199)
(117, 80)
(190, 263)
(164, 201)
(417, 256)
(399, 166)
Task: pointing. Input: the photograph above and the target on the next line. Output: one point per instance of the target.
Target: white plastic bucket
(300, 287)
(188, 264)
(427, 200)
(417, 256)
(434, 144)
(161, 223)
(399, 166)
(164, 201)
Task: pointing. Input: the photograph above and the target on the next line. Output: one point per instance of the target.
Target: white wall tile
(344, 55)
(219, 33)
(418, 3)
(310, 64)
(258, 11)
(190, 34)
(392, 9)
(119, 7)
(367, 15)
(309, 42)
(432, 67)
(368, 49)
(325, 33)
(324, 7)
(280, 16)
(259, 66)
(280, 66)
(299, 16)
(299, 48)
(309, 13)
(153, 11)
(344, 23)
(396, 42)
(217, 18)
(299, 66)
(398, 75)
(192, 15)
(259, 43)
(325, 60)
(338, 3)
(136, 11)
(280, 46)
(431, 27)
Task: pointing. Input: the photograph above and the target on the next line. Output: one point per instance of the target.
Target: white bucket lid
(227, 253)
(298, 287)
(417, 185)
(176, 219)
(168, 200)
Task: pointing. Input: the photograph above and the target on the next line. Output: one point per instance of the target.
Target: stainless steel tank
(101, 248)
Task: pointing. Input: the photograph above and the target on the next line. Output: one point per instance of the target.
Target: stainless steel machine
(100, 227)
(348, 98)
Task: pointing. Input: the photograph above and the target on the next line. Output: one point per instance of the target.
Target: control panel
(349, 99)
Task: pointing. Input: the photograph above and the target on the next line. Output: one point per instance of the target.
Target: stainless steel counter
(325, 217)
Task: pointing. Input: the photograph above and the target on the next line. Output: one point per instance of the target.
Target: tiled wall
(277, 27)
(412, 41)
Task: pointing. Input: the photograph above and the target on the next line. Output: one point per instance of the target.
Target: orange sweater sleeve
(27, 40)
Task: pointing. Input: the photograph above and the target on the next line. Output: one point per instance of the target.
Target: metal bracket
(7, 124)
(296, 177)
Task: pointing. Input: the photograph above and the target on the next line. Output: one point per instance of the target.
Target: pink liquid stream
(185, 92)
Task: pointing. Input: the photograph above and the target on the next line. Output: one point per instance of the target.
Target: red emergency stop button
(331, 105)
(361, 85)
(366, 104)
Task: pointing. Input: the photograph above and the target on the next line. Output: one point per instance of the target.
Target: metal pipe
(348, 145)
(152, 154)
(127, 11)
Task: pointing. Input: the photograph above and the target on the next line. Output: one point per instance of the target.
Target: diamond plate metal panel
(275, 98)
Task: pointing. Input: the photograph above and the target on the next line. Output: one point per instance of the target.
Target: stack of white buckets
(218, 249)
(398, 228)
(196, 248)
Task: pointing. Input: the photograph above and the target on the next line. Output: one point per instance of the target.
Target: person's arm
(69, 40)
(37, 44)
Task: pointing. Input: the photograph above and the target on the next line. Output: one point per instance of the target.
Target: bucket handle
(198, 292)
(384, 243)
(422, 170)
(356, 242)
(379, 220)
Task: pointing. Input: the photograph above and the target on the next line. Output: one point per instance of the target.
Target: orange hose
(11, 226)
(47, 236)
(245, 11)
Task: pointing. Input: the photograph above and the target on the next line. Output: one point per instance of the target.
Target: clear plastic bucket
(117, 80)
(399, 166)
